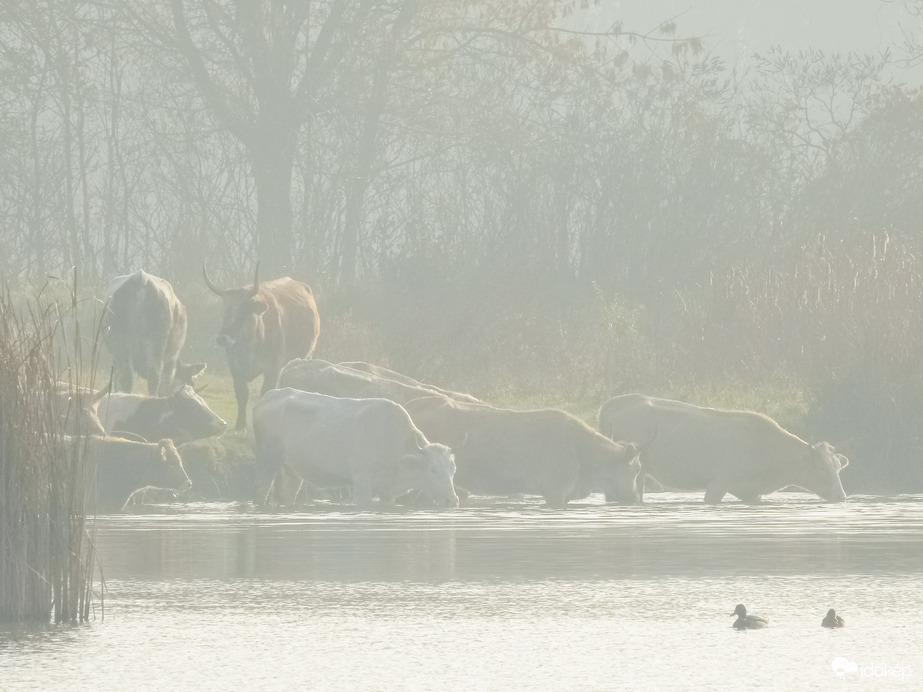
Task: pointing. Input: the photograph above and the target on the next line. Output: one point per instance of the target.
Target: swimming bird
(747, 622)
(833, 620)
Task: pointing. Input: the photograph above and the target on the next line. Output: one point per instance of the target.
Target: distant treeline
(484, 198)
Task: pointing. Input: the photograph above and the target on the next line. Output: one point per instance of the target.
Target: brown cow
(118, 467)
(747, 454)
(544, 452)
(144, 328)
(262, 328)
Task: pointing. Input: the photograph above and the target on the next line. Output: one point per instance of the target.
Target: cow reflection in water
(368, 445)
(743, 453)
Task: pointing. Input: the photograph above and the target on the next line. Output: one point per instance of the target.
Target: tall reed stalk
(46, 555)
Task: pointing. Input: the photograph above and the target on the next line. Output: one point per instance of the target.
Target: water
(497, 596)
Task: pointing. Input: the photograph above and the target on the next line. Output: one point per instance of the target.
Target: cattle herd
(369, 432)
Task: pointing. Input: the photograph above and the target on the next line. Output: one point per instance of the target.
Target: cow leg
(714, 493)
(555, 499)
(362, 494)
(242, 394)
(122, 376)
(154, 382)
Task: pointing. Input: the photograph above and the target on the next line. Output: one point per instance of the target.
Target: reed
(46, 554)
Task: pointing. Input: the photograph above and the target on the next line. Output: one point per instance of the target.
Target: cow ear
(258, 307)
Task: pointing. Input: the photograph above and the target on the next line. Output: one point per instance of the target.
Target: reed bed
(46, 553)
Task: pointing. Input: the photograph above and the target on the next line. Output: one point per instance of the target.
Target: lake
(497, 595)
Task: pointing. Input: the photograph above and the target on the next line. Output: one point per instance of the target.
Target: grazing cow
(77, 409)
(543, 452)
(119, 467)
(370, 445)
(262, 328)
(747, 454)
(182, 417)
(344, 380)
(144, 329)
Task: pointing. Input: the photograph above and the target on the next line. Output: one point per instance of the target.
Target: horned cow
(264, 326)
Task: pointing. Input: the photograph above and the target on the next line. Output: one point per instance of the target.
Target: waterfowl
(747, 622)
(833, 620)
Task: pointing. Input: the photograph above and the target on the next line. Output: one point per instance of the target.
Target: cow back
(292, 312)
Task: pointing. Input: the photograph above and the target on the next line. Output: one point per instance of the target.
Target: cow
(144, 328)
(118, 467)
(344, 380)
(76, 409)
(746, 454)
(263, 327)
(370, 445)
(182, 417)
(543, 452)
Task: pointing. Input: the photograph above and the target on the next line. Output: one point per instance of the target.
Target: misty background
(544, 202)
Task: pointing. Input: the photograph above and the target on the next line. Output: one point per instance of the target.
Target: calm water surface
(499, 595)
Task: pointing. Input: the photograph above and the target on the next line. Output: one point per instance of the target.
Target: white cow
(370, 445)
(746, 454)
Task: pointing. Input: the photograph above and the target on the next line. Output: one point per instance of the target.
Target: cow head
(433, 472)
(621, 481)
(192, 416)
(822, 472)
(77, 409)
(241, 311)
(170, 472)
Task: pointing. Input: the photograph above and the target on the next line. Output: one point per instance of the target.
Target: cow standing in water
(370, 445)
(264, 326)
(746, 454)
(144, 329)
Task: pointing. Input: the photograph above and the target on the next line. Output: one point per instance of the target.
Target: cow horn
(256, 281)
(208, 282)
(98, 396)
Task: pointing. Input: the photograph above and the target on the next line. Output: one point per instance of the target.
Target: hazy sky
(737, 28)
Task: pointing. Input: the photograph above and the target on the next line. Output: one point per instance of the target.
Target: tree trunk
(272, 163)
